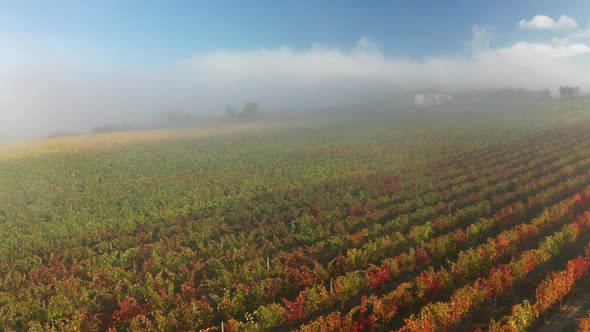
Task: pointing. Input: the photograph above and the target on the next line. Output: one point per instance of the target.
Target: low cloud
(41, 96)
(542, 22)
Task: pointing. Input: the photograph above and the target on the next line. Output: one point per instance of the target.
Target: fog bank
(42, 93)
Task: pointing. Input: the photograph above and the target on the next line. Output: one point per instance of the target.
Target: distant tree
(569, 91)
(250, 110)
(230, 112)
(64, 133)
(114, 127)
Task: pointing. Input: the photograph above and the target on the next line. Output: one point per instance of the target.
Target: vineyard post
(561, 303)
(222, 327)
(421, 319)
(20, 248)
(267, 262)
(546, 311)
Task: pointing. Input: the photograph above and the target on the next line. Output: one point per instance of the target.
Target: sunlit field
(112, 140)
(433, 219)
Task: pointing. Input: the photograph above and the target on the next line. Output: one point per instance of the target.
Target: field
(424, 221)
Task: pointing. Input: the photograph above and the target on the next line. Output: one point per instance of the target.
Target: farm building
(431, 97)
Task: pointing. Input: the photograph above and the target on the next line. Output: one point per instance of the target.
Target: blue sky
(153, 32)
(74, 64)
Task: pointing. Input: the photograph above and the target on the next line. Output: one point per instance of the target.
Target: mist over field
(304, 166)
(45, 89)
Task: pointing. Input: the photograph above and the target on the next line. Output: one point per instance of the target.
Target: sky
(72, 65)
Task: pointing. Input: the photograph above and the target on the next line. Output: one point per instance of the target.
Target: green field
(290, 225)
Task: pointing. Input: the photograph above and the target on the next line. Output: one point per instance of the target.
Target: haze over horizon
(75, 65)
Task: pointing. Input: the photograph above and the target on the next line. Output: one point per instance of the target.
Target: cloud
(578, 35)
(480, 40)
(42, 94)
(542, 22)
(366, 44)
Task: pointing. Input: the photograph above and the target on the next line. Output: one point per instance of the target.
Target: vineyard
(472, 223)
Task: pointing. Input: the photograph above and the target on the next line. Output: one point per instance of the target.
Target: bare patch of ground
(565, 318)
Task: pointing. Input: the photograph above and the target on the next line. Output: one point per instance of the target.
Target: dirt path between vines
(565, 318)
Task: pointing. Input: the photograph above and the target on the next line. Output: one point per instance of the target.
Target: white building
(431, 97)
